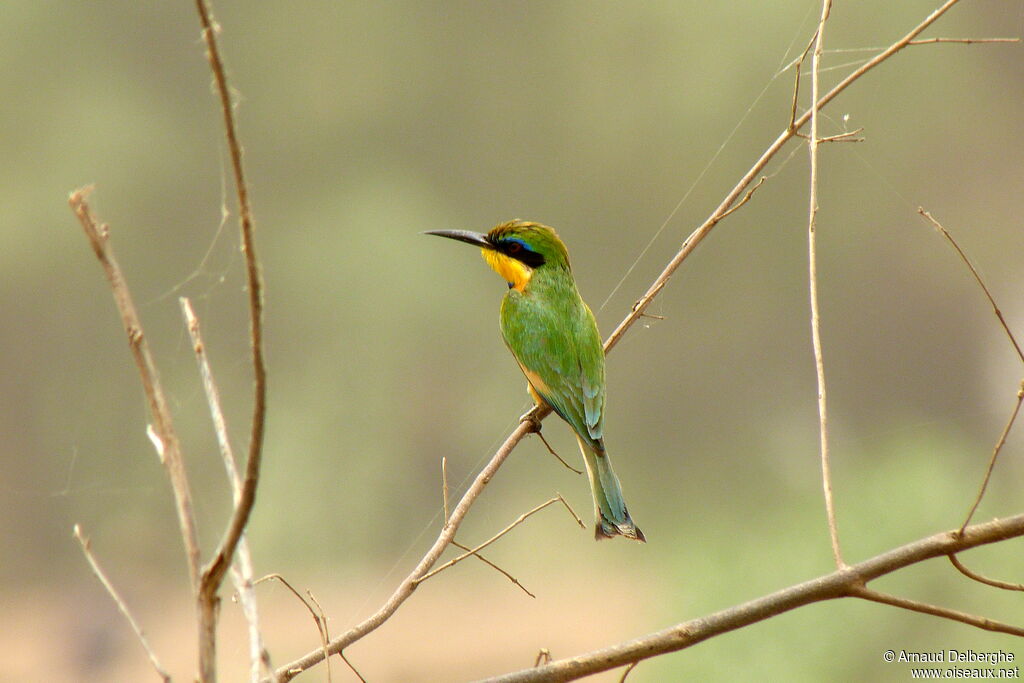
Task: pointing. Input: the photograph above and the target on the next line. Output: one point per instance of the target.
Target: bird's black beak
(475, 238)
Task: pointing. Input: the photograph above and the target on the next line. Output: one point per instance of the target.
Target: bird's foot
(531, 419)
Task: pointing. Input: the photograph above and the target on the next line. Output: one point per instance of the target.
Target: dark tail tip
(606, 529)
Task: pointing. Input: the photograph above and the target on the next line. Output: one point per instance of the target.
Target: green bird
(553, 335)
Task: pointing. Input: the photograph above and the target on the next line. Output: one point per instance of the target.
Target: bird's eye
(514, 247)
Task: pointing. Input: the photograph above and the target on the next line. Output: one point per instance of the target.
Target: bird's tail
(609, 507)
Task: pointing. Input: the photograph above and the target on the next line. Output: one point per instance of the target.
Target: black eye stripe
(514, 248)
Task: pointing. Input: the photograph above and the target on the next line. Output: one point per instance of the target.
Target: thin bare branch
(407, 585)
(977, 278)
(496, 567)
(243, 575)
(444, 487)
(169, 449)
(519, 520)
(571, 511)
(317, 612)
(798, 65)
(121, 606)
(995, 583)
(849, 136)
(936, 611)
(698, 235)
(1009, 335)
(840, 583)
(812, 261)
(629, 670)
(214, 571)
(218, 564)
(557, 456)
(734, 207)
(995, 454)
(963, 41)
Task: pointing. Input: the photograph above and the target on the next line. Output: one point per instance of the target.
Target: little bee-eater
(553, 336)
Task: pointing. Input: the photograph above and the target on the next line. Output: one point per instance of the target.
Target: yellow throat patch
(515, 272)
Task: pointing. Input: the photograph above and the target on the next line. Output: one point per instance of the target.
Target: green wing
(558, 342)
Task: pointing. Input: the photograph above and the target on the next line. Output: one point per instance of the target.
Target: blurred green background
(363, 125)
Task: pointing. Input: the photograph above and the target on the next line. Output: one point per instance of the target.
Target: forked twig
(213, 572)
(698, 235)
(519, 520)
(444, 495)
(121, 606)
(408, 584)
(736, 207)
(166, 438)
(242, 577)
(798, 65)
(319, 619)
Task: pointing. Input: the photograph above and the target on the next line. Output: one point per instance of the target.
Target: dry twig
(317, 612)
(409, 583)
(121, 606)
(977, 278)
(963, 41)
(995, 454)
(845, 582)
(936, 611)
(995, 583)
(214, 571)
(519, 520)
(483, 559)
(168, 446)
(444, 488)
(812, 260)
(551, 450)
(242, 577)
